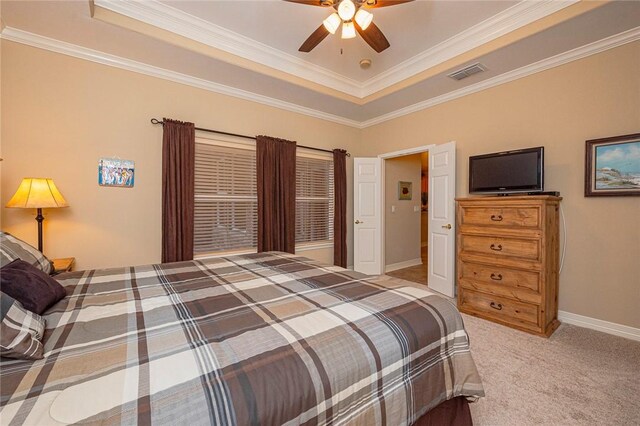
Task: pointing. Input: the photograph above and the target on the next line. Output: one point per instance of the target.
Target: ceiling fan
(353, 16)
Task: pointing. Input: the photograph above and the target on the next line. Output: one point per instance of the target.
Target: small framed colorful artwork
(116, 172)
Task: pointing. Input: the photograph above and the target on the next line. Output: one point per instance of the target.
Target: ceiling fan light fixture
(332, 23)
(363, 18)
(346, 10)
(348, 30)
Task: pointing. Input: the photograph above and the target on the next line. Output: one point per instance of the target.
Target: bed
(268, 338)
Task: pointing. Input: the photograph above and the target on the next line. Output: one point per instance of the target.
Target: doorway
(370, 210)
(406, 217)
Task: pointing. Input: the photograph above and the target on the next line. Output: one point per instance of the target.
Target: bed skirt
(452, 412)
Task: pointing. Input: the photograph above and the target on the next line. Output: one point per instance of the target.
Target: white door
(367, 214)
(442, 211)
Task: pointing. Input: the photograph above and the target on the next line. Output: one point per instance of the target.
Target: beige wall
(595, 97)
(402, 227)
(61, 114)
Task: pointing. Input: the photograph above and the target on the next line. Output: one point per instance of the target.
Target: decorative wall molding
(543, 65)
(600, 325)
(517, 16)
(178, 22)
(46, 43)
(41, 42)
(402, 265)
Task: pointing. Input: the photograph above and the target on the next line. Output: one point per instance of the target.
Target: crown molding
(53, 45)
(41, 42)
(178, 22)
(517, 16)
(543, 65)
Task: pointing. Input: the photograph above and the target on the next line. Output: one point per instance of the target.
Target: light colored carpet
(576, 377)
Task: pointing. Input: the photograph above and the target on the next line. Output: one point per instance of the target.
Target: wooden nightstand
(64, 264)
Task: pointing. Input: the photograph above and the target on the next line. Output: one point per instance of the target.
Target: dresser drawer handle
(496, 277)
(497, 218)
(495, 305)
(496, 247)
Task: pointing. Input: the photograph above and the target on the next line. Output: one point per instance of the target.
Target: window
(314, 199)
(226, 201)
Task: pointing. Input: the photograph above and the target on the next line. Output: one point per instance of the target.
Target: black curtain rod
(156, 121)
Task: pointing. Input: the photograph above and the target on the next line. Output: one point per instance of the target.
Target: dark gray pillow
(12, 248)
(34, 289)
(20, 330)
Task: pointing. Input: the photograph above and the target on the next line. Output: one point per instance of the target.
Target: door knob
(358, 222)
(447, 226)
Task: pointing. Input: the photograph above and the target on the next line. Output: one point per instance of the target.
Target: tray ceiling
(248, 49)
(411, 28)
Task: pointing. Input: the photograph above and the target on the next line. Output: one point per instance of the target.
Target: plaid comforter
(268, 339)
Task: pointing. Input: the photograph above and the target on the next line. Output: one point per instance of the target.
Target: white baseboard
(402, 265)
(600, 325)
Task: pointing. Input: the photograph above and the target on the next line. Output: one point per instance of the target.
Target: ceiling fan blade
(308, 2)
(374, 37)
(385, 3)
(314, 39)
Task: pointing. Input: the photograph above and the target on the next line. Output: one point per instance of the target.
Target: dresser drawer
(501, 247)
(507, 310)
(500, 275)
(527, 217)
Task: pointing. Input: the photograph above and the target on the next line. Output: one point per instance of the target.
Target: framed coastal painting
(404, 190)
(116, 172)
(612, 166)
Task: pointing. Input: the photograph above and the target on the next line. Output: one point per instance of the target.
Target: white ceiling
(411, 28)
(325, 83)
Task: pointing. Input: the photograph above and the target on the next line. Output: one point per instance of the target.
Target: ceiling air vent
(467, 71)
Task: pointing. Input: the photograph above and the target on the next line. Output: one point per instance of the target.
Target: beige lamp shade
(37, 193)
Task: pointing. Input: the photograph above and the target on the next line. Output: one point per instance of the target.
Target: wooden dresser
(507, 258)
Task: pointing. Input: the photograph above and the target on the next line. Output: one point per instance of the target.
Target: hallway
(417, 274)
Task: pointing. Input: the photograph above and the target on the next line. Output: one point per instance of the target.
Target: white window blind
(314, 199)
(226, 202)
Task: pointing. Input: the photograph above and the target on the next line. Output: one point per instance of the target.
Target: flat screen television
(507, 172)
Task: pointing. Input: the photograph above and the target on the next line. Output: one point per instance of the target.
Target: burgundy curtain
(276, 176)
(340, 211)
(178, 160)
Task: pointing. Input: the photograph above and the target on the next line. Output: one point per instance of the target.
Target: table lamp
(37, 193)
